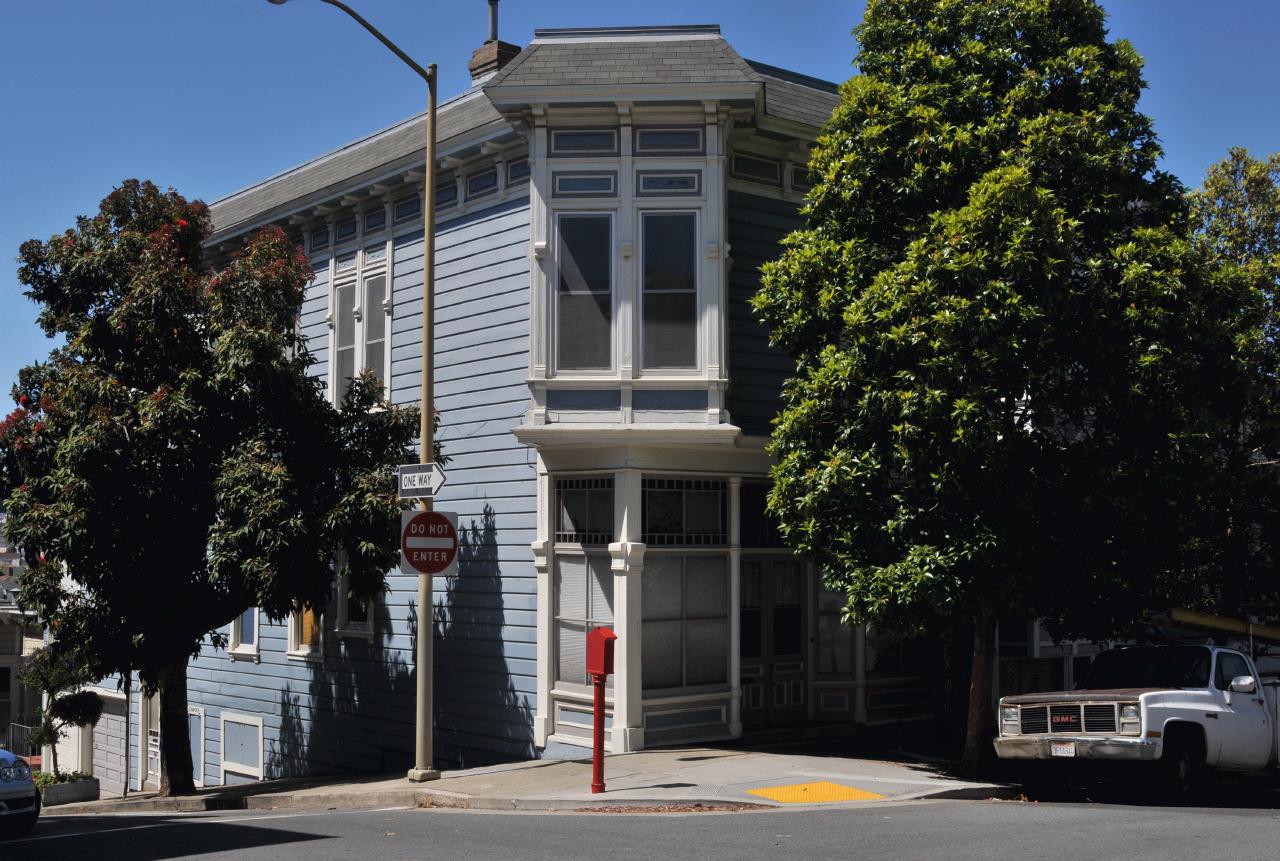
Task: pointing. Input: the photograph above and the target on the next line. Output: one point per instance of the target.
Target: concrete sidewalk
(684, 777)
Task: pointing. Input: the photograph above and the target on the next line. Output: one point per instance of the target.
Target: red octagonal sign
(429, 541)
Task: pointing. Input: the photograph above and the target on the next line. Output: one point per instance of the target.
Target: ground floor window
(685, 626)
(835, 638)
(584, 600)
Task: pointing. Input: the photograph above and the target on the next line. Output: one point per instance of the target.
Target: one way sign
(420, 480)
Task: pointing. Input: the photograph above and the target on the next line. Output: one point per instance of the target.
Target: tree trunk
(977, 743)
(52, 734)
(175, 745)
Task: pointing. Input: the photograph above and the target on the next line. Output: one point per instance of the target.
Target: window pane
(706, 587)
(670, 139)
(586, 301)
(601, 583)
(600, 511)
(707, 652)
(664, 511)
(345, 312)
(357, 610)
(345, 371)
(572, 653)
(573, 511)
(750, 583)
(373, 358)
(835, 645)
(660, 592)
(702, 510)
(571, 587)
(308, 630)
(660, 655)
(249, 627)
(670, 290)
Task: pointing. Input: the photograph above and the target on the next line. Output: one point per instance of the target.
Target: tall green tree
(1013, 368)
(174, 464)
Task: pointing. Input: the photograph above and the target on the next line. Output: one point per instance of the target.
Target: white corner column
(542, 552)
(627, 563)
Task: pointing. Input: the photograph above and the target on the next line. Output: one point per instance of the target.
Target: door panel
(773, 641)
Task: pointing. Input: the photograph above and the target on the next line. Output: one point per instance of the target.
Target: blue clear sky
(211, 95)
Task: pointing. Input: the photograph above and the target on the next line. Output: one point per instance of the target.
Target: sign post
(599, 666)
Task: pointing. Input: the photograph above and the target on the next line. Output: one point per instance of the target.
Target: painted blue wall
(756, 373)
(355, 710)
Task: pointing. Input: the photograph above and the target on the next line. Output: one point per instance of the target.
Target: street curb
(966, 793)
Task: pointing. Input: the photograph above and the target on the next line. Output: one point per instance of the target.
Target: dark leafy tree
(1013, 369)
(174, 464)
(59, 675)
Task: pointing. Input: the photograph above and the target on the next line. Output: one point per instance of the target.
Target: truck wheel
(1177, 773)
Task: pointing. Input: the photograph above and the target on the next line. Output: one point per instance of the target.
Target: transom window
(584, 510)
(687, 512)
(664, 141)
(584, 141)
(584, 262)
(670, 300)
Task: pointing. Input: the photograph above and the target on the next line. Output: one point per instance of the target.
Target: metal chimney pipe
(493, 20)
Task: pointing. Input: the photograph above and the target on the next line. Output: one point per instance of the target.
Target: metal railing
(18, 740)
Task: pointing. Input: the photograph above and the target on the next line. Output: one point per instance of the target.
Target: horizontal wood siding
(756, 372)
(354, 711)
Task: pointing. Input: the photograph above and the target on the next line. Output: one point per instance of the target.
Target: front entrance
(151, 735)
(773, 640)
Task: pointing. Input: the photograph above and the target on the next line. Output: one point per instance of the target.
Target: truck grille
(1034, 720)
(1100, 718)
(1064, 718)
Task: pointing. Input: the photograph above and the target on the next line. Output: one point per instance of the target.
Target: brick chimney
(494, 53)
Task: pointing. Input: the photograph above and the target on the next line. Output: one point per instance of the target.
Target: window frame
(240, 651)
(614, 299)
(239, 768)
(296, 650)
(364, 269)
(684, 553)
(344, 627)
(638, 350)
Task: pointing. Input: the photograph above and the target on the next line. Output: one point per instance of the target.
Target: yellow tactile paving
(814, 793)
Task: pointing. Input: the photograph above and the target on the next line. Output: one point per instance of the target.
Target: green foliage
(1015, 373)
(57, 673)
(175, 461)
(45, 779)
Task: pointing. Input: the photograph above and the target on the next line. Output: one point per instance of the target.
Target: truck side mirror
(1244, 684)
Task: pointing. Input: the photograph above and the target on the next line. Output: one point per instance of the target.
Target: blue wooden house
(605, 199)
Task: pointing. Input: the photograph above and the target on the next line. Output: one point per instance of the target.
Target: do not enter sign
(429, 542)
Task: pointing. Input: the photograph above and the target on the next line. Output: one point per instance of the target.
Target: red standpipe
(597, 747)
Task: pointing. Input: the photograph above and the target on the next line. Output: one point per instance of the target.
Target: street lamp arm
(395, 49)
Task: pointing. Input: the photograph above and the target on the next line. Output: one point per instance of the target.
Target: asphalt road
(897, 830)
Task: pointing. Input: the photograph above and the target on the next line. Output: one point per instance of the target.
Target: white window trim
(359, 275)
(237, 767)
(699, 315)
(245, 651)
(614, 298)
(298, 651)
(197, 769)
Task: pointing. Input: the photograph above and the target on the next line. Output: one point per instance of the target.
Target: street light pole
(423, 759)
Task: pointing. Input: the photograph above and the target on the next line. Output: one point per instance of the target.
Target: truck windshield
(1149, 667)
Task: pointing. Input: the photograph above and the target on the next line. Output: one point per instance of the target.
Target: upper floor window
(670, 296)
(304, 633)
(584, 321)
(361, 313)
(757, 169)
(687, 512)
(668, 141)
(584, 510)
(243, 641)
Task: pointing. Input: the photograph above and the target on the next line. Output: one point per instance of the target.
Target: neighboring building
(605, 199)
(19, 637)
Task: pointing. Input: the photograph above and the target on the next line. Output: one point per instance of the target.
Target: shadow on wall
(480, 717)
(357, 711)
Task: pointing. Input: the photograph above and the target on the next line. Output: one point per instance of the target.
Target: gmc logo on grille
(1066, 719)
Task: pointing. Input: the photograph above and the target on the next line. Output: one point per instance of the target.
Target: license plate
(1062, 748)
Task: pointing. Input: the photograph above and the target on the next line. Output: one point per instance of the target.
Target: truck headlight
(1009, 714)
(1130, 719)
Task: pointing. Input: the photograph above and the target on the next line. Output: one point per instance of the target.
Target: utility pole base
(422, 775)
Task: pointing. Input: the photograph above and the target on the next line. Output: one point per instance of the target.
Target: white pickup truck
(1183, 709)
